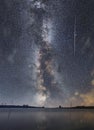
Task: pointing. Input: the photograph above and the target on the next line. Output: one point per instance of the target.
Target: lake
(32, 119)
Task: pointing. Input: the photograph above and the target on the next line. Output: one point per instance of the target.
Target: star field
(39, 64)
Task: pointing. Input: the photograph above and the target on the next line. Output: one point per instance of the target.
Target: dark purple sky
(37, 61)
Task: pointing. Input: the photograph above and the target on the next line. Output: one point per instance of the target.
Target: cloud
(88, 98)
(12, 56)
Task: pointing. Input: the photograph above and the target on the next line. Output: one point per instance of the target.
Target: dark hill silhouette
(60, 107)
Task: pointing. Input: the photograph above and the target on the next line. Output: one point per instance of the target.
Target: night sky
(47, 52)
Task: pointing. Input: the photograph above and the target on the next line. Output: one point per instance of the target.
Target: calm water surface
(14, 119)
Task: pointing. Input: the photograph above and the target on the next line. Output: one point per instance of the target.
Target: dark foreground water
(28, 119)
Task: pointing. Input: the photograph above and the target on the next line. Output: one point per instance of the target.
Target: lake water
(28, 119)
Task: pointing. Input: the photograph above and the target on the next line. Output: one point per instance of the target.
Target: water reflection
(45, 120)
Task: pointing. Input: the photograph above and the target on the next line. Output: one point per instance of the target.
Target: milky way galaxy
(47, 52)
(47, 84)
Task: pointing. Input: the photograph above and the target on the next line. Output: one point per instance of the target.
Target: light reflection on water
(47, 120)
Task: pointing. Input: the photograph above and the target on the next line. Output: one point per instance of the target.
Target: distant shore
(34, 107)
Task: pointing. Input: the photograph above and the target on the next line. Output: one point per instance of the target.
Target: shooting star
(75, 34)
